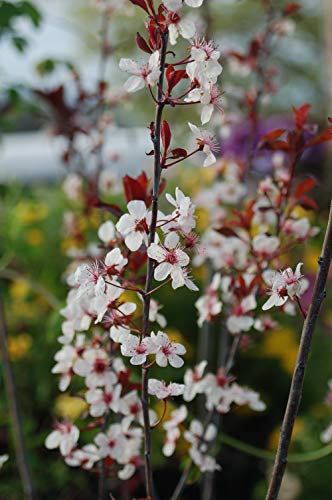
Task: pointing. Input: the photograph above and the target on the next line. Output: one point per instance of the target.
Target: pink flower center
(108, 398)
(134, 409)
(99, 366)
(140, 349)
(171, 257)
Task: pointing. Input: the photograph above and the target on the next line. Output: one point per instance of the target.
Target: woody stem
(149, 274)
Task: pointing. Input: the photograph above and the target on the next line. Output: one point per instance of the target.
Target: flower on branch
(138, 350)
(146, 75)
(167, 350)
(162, 391)
(284, 284)
(64, 437)
(207, 143)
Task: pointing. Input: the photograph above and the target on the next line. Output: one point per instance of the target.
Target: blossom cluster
(113, 328)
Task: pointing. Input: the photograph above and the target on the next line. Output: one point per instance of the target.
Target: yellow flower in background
(19, 289)
(310, 260)
(281, 344)
(299, 212)
(95, 219)
(35, 237)
(22, 310)
(67, 406)
(29, 211)
(274, 436)
(202, 218)
(191, 180)
(19, 346)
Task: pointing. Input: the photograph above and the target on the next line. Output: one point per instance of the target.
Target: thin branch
(150, 264)
(14, 411)
(301, 363)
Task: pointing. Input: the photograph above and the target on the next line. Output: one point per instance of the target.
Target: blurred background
(55, 58)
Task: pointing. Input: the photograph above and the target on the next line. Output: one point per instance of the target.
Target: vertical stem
(149, 272)
(295, 392)
(14, 411)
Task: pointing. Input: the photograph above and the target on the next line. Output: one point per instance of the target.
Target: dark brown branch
(149, 272)
(295, 392)
(14, 411)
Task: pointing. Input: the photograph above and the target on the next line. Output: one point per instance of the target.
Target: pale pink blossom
(171, 427)
(134, 226)
(146, 75)
(64, 437)
(239, 321)
(171, 260)
(106, 232)
(138, 350)
(194, 381)
(207, 142)
(162, 391)
(103, 400)
(167, 351)
(84, 457)
(284, 284)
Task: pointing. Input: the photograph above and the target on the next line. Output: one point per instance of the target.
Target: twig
(14, 411)
(301, 363)
(149, 272)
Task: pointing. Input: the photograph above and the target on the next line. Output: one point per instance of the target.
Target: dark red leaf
(174, 77)
(140, 3)
(178, 153)
(276, 146)
(301, 115)
(304, 187)
(291, 8)
(136, 189)
(308, 203)
(227, 231)
(166, 135)
(271, 136)
(325, 135)
(142, 44)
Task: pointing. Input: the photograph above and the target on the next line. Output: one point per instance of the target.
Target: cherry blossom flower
(167, 351)
(65, 359)
(284, 284)
(89, 280)
(147, 75)
(3, 459)
(134, 226)
(106, 232)
(112, 443)
(210, 97)
(207, 143)
(138, 350)
(184, 213)
(239, 321)
(64, 437)
(119, 315)
(172, 430)
(119, 334)
(114, 261)
(204, 67)
(194, 381)
(84, 457)
(209, 305)
(264, 246)
(171, 259)
(101, 400)
(326, 436)
(154, 314)
(205, 463)
(161, 391)
(221, 396)
(131, 407)
(198, 436)
(94, 367)
(179, 25)
(177, 4)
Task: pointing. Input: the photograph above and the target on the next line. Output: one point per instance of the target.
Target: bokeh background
(41, 43)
